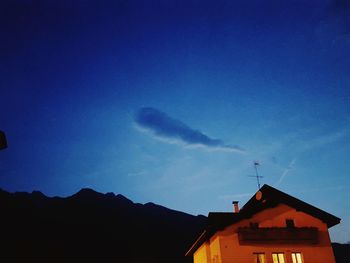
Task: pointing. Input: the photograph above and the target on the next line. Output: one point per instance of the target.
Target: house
(272, 227)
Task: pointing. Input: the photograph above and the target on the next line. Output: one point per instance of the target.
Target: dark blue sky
(172, 101)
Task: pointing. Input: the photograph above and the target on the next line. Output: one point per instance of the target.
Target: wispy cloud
(285, 172)
(173, 130)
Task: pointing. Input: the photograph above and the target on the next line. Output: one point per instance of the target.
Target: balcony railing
(276, 235)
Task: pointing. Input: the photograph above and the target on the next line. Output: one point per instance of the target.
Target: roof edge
(197, 243)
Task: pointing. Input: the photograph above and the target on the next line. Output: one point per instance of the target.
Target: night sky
(171, 102)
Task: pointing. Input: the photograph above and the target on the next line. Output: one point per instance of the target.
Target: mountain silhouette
(93, 227)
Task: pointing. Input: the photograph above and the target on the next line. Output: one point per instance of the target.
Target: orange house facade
(272, 227)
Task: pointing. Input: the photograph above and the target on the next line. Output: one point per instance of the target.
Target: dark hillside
(92, 227)
(341, 252)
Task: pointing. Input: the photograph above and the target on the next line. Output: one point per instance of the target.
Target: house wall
(209, 252)
(215, 250)
(202, 254)
(231, 251)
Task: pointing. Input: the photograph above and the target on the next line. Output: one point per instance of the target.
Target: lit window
(296, 257)
(259, 258)
(278, 257)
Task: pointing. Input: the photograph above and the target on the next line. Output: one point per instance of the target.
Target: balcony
(277, 235)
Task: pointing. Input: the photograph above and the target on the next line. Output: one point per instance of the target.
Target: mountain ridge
(95, 227)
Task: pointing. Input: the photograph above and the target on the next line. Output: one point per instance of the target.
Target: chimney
(235, 206)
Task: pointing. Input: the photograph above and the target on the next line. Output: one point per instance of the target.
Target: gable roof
(270, 197)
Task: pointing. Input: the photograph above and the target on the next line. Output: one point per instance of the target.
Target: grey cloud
(172, 129)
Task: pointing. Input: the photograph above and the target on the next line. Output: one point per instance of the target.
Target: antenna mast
(256, 163)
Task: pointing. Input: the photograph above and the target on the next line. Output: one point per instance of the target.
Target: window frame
(257, 258)
(297, 259)
(278, 254)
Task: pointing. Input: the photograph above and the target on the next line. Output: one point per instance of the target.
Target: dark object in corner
(3, 142)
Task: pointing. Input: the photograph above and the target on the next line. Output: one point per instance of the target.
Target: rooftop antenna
(256, 164)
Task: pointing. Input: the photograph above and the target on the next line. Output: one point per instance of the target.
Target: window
(296, 257)
(278, 257)
(290, 223)
(254, 225)
(259, 257)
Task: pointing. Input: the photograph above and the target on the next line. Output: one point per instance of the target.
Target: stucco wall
(202, 255)
(215, 250)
